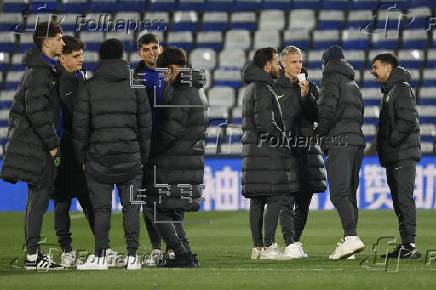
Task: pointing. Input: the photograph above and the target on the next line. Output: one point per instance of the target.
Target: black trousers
(62, 218)
(100, 195)
(36, 205)
(401, 179)
(257, 208)
(343, 166)
(153, 233)
(293, 215)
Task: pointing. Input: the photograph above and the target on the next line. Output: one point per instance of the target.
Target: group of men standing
(288, 123)
(72, 137)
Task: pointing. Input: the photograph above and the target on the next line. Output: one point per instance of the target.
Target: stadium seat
(16, 6)
(380, 40)
(238, 39)
(210, 39)
(369, 130)
(267, 39)
(355, 57)
(421, 3)
(272, 20)
(90, 60)
(302, 19)
(297, 37)
(370, 114)
(185, 21)
(221, 97)
(391, 19)
(132, 5)
(331, 20)
(13, 79)
(217, 115)
(93, 40)
(237, 115)
(182, 39)
(411, 58)
(215, 21)
(7, 95)
(162, 5)
(415, 38)
(72, 22)
(75, 6)
(358, 19)
(219, 5)
(227, 78)
(307, 4)
(125, 38)
(371, 96)
(315, 75)
(314, 59)
(4, 62)
(246, 5)
(427, 96)
(364, 4)
(191, 5)
(323, 39)
(427, 114)
(9, 21)
(431, 58)
(277, 4)
(369, 79)
(428, 132)
(232, 58)
(355, 39)
(243, 20)
(203, 58)
(421, 15)
(26, 42)
(103, 6)
(163, 18)
(429, 77)
(7, 41)
(17, 62)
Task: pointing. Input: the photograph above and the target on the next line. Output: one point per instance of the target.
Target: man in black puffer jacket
(33, 135)
(398, 146)
(177, 158)
(265, 159)
(298, 103)
(340, 127)
(111, 135)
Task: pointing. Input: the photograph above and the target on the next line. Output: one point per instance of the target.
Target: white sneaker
(352, 257)
(302, 253)
(69, 260)
(273, 253)
(113, 259)
(293, 251)
(255, 253)
(94, 263)
(351, 245)
(133, 263)
(155, 257)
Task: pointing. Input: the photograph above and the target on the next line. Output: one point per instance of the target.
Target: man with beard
(32, 152)
(398, 146)
(264, 165)
(306, 166)
(341, 119)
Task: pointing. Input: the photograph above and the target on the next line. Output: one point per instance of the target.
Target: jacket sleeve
(81, 124)
(328, 101)
(405, 115)
(309, 103)
(264, 117)
(144, 123)
(36, 102)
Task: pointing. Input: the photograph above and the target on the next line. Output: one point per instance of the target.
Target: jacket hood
(253, 73)
(113, 70)
(398, 75)
(33, 58)
(339, 66)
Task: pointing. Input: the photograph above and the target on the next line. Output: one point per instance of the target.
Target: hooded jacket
(112, 124)
(32, 120)
(398, 136)
(340, 106)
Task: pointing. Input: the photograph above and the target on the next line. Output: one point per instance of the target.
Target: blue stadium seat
(162, 5)
(218, 5)
(330, 20)
(266, 38)
(415, 38)
(221, 96)
(12, 6)
(7, 41)
(93, 40)
(227, 78)
(325, 38)
(369, 79)
(390, 19)
(272, 20)
(314, 59)
(13, 79)
(364, 4)
(336, 4)
(302, 19)
(185, 21)
(203, 58)
(427, 96)
(431, 58)
(429, 77)
(191, 5)
(232, 58)
(247, 5)
(9, 21)
(421, 3)
(182, 39)
(75, 6)
(358, 19)
(214, 21)
(90, 60)
(297, 37)
(355, 57)
(16, 62)
(307, 4)
(371, 114)
(243, 20)
(427, 114)
(277, 4)
(382, 41)
(126, 39)
(239, 39)
(132, 5)
(162, 17)
(97, 6)
(210, 39)
(421, 17)
(411, 59)
(355, 39)
(4, 62)
(26, 42)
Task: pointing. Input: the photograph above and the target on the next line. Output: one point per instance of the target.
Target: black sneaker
(42, 262)
(181, 261)
(195, 260)
(405, 251)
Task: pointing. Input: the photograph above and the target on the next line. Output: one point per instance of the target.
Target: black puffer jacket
(112, 124)
(70, 179)
(299, 114)
(340, 105)
(32, 120)
(265, 158)
(398, 135)
(178, 149)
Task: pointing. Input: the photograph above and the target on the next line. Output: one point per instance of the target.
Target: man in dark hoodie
(306, 166)
(111, 135)
(31, 154)
(176, 167)
(340, 129)
(398, 146)
(264, 165)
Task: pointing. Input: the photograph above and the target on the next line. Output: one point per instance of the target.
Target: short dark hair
(147, 39)
(172, 56)
(111, 49)
(45, 30)
(387, 58)
(263, 55)
(72, 44)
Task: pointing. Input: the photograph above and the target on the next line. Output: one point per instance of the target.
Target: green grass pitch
(224, 248)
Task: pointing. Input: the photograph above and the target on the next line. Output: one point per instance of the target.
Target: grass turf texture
(224, 249)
